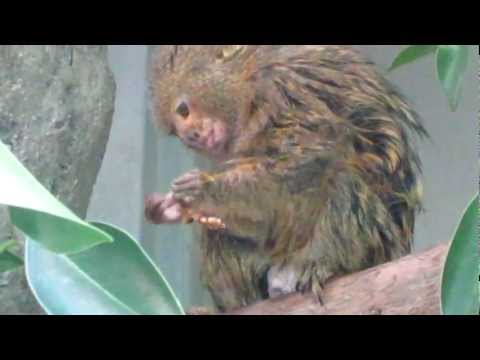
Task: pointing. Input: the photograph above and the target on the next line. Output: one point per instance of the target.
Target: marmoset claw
(212, 223)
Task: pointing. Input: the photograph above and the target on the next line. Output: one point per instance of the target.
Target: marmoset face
(198, 129)
(201, 92)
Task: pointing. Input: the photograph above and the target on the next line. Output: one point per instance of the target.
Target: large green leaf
(411, 54)
(110, 279)
(460, 276)
(39, 215)
(452, 64)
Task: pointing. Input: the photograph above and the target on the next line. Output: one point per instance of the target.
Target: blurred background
(141, 160)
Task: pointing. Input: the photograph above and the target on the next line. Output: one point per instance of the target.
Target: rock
(56, 110)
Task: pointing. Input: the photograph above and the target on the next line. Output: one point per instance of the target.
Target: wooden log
(408, 286)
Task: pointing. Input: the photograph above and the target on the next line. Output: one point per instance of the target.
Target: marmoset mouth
(212, 142)
(209, 143)
(212, 139)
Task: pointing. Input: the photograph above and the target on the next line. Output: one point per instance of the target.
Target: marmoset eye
(183, 110)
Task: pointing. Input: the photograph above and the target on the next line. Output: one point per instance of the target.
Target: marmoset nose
(193, 136)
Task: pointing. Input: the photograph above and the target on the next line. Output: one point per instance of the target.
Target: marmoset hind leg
(232, 270)
(306, 278)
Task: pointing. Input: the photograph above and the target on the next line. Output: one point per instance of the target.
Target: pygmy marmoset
(316, 173)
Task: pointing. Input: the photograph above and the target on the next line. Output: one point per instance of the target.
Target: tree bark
(409, 286)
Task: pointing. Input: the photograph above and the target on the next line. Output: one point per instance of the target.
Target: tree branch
(409, 286)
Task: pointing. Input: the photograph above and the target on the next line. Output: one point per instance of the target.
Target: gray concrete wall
(140, 160)
(118, 195)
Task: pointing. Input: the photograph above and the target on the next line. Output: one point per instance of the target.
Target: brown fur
(318, 173)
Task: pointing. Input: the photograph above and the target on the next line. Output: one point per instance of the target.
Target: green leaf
(452, 63)
(4, 246)
(39, 215)
(110, 279)
(9, 262)
(460, 276)
(411, 54)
